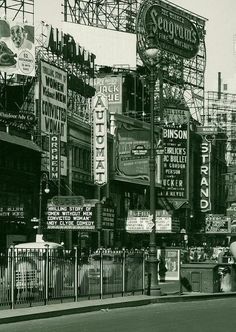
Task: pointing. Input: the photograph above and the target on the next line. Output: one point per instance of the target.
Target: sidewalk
(68, 308)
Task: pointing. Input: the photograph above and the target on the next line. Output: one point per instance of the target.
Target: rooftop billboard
(17, 49)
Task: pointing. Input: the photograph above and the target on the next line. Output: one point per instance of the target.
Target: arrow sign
(34, 219)
(160, 151)
(140, 150)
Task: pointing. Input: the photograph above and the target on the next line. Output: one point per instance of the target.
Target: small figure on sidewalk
(162, 269)
(203, 256)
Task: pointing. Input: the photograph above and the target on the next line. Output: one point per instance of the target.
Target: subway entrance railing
(29, 276)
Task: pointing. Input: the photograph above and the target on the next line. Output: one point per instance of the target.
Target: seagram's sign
(172, 32)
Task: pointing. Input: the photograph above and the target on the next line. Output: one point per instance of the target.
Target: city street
(214, 315)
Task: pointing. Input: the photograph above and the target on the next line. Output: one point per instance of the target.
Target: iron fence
(29, 276)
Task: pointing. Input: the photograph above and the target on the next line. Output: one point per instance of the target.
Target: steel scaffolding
(183, 78)
(220, 112)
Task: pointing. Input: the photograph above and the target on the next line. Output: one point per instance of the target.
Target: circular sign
(26, 62)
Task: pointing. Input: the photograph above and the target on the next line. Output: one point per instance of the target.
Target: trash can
(200, 277)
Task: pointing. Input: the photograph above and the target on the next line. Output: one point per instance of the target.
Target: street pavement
(169, 293)
(194, 316)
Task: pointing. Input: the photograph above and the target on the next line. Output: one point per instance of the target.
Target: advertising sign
(55, 157)
(139, 221)
(111, 87)
(217, 223)
(172, 30)
(12, 212)
(231, 213)
(53, 94)
(170, 259)
(132, 153)
(99, 106)
(163, 224)
(205, 172)
(71, 217)
(17, 49)
(108, 217)
(175, 162)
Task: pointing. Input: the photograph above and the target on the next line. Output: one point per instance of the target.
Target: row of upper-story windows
(81, 158)
(17, 164)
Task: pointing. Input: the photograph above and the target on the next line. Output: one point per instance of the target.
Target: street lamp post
(43, 178)
(154, 288)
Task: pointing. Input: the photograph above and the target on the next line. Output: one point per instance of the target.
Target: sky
(220, 31)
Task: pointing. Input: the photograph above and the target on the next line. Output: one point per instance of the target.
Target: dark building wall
(19, 174)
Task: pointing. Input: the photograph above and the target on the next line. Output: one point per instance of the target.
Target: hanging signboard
(53, 95)
(99, 106)
(17, 48)
(205, 173)
(55, 157)
(175, 162)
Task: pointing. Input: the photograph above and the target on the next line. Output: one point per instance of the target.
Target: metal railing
(29, 276)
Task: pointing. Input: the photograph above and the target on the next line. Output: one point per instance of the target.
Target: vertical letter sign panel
(99, 106)
(54, 169)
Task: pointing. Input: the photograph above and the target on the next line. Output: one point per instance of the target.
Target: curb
(40, 312)
(70, 311)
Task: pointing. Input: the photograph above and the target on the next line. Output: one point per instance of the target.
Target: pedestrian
(162, 268)
(203, 256)
(195, 256)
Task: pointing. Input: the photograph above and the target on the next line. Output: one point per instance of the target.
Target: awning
(19, 141)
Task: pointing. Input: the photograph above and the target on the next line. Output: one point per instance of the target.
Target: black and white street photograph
(117, 165)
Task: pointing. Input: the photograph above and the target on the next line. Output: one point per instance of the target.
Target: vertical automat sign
(99, 106)
(205, 190)
(53, 101)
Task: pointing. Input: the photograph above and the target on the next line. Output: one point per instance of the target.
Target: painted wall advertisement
(132, 153)
(175, 163)
(17, 48)
(99, 106)
(54, 108)
(111, 87)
